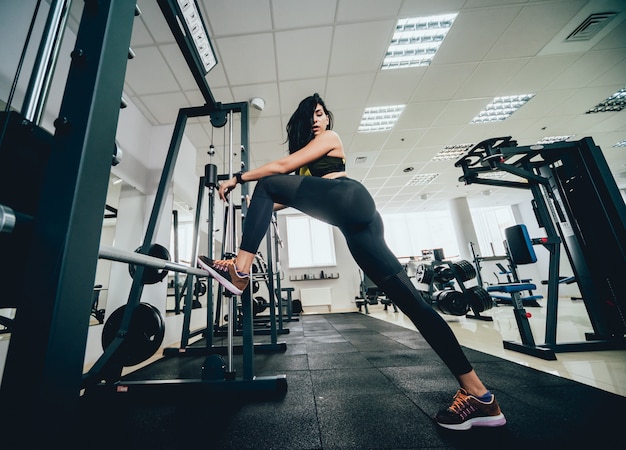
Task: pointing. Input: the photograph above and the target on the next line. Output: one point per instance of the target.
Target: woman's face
(320, 120)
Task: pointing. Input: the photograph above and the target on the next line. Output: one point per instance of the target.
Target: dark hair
(299, 127)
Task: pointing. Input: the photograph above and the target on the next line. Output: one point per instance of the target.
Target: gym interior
(496, 158)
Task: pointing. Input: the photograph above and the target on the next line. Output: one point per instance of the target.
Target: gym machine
(218, 377)
(60, 181)
(512, 276)
(577, 202)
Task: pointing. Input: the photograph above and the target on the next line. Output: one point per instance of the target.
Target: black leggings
(346, 204)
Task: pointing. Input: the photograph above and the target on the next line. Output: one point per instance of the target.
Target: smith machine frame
(43, 374)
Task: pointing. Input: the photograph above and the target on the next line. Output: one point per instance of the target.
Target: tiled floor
(605, 370)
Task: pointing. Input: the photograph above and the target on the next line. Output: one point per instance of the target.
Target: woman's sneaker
(468, 411)
(225, 273)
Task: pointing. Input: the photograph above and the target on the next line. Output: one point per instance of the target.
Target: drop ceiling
(284, 50)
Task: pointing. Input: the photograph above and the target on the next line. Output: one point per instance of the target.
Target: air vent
(360, 160)
(590, 26)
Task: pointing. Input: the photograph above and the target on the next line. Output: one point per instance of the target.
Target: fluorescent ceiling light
(615, 102)
(620, 144)
(452, 152)
(422, 178)
(501, 107)
(553, 139)
(416, 40)
(194, 28)
(382, 118)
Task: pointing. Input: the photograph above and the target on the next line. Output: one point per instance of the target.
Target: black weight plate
(452, 302)
(152, 275)
(144, 336)
(424, 274)
(480, 299)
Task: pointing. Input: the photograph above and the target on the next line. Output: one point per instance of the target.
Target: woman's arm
(318, 147)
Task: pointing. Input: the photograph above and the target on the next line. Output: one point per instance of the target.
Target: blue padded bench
(511, 288)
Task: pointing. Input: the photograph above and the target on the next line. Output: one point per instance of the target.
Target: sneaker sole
(220, 279)
(491, 421)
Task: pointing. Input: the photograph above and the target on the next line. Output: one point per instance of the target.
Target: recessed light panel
(416, 40)
(452, 152)
(381, 118)
(553, 139)
(501, 108)
(620, 144)
(615, 102)
(422, 178)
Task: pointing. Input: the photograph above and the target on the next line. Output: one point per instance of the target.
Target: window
(489, 224)
(309, 242)
(185, 242)
(409, 234)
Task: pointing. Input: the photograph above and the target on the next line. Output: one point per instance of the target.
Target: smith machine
(52, 196)
(577, 202)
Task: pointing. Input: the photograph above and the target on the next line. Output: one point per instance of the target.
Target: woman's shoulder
(331, 136)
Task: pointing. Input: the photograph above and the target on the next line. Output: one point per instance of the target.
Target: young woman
(322, 190)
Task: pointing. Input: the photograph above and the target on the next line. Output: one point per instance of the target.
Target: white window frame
(310, 243)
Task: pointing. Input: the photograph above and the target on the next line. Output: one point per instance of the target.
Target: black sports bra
(322, 166)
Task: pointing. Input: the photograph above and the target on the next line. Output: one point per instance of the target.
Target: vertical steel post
(42, 380)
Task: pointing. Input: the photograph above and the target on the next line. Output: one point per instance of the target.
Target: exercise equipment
(436, 281)
(143, 337)
(370, 293)
(519, 251)
(151, 274)
(41, 382)
(231, 380)
(577, 202)
(451, 301)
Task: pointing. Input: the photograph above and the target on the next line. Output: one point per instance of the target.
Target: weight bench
(369, 294)
(519, 250)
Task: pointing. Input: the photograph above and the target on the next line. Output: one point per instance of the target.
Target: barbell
(114, 254)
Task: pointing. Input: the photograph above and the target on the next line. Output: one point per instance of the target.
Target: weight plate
(480, 299)
(424, 274)
(452, 302)
(152, 275)
(143, 338)
(465, 270)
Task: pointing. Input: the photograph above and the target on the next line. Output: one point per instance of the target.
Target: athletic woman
(321, 189)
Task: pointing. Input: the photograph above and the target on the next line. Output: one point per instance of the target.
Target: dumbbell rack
(461, 272)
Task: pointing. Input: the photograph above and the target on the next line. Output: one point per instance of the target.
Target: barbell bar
(115, 254)
(10, 218)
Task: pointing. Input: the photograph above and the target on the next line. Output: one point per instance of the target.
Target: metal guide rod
(39, 84)
(114, 254)
(230, 244)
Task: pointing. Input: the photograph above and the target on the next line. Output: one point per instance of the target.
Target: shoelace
(222, 264)
(459, 403)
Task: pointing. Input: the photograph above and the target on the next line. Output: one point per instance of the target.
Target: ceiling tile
(395, 87)
(469, 39)
(442, 81)
(311, 59)
(539, 23)
(349, 91)
(140, 73)
(364, 10)
(288, 14)
(227, 18)
(165, 107)
(360, 47)
(248, 59)
(490, 79)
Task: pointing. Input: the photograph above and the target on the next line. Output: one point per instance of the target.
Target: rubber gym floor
(354, 382)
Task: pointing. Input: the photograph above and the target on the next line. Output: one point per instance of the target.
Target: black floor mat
(354, 382)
